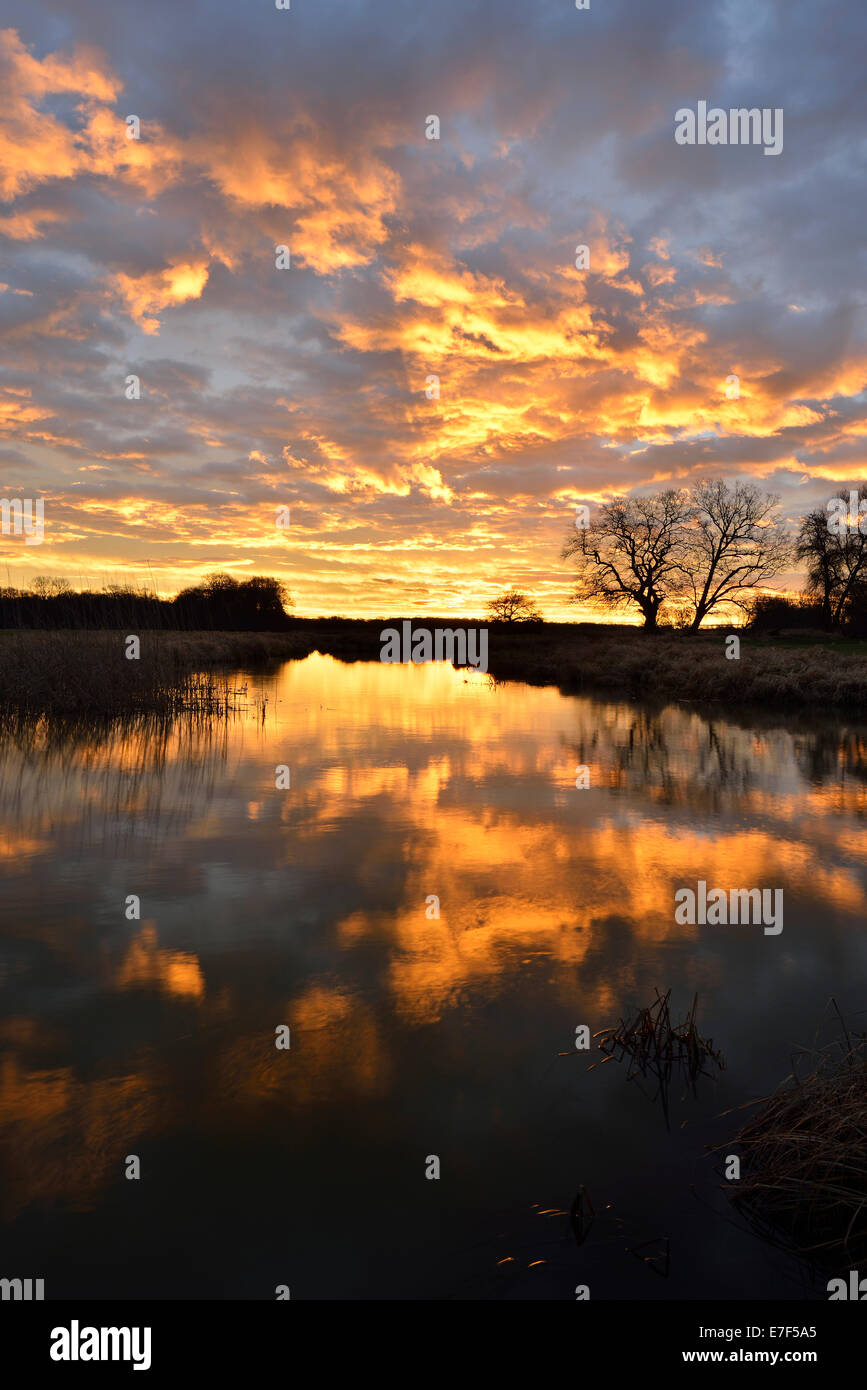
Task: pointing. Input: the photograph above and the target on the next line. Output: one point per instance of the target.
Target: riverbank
(88, 671)
(796, 673)
(695, 668)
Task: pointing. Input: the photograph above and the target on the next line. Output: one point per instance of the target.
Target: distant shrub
(774, 612)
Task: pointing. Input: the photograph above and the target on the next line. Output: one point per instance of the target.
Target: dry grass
(679, 666)
(804, 1159)
(87, 673)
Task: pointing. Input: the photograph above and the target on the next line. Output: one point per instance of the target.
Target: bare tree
(630, 553)
(513, 607)
(836, 559)
(46, 587)
(734, 541)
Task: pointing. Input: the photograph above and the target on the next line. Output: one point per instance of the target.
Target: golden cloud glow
(541, 365)
(148, 295)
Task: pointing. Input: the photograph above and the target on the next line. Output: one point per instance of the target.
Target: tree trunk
(650, 624)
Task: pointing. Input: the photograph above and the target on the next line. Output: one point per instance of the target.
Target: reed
(660, 1050)
(87, 673)
(651, 1039)
(804, 1158)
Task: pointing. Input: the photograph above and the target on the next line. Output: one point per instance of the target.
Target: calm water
(409, 1036)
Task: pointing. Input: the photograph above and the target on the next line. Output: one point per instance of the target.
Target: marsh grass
(803, 1177)
(87, 673)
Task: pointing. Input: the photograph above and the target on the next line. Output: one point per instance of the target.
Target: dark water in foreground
(409, 1036)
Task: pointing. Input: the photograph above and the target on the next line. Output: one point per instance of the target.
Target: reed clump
(804, 1158)
(660, 1050)
(651, 1040)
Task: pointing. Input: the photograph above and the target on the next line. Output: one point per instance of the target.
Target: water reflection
(154, 1033)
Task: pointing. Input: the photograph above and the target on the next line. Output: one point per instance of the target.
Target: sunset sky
(305, 387)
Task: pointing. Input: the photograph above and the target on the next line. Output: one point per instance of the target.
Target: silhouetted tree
(631, 553)
(220, 601)
(733, 541)
(513, 607)
(836, 560)
(45, 587)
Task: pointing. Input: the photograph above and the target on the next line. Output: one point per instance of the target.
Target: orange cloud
(147, 295)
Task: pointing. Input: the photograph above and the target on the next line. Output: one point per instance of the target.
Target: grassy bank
(679, 666)
(87, 671)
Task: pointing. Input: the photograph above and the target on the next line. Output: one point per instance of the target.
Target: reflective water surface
(411, 1035)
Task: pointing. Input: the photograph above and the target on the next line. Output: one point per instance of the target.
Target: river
(431, 907)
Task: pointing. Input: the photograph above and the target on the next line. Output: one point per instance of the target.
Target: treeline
(219, 604)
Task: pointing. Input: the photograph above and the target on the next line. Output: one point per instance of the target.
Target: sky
(432, 385)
